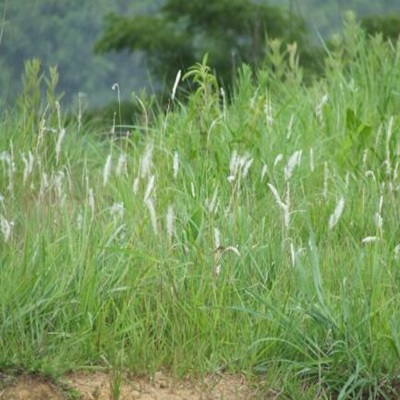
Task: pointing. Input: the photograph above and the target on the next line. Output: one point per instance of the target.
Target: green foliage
(64, 34)
(271, 247)
(388, 26)
(324, 17)
(231, 32)
(205, 101)
(39, 104)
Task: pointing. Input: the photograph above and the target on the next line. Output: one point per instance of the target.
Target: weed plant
(256, 234)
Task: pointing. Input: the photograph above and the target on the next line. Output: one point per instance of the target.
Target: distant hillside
(63, 34)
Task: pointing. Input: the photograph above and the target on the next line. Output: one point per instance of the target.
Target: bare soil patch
(99, 386)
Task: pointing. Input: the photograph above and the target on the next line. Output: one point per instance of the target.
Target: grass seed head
(135, 186)
(6, 228)
(58, 182)
(277, 198)
(149, 188)
(247, 166)
(268, 111)
(44, 184)
(335, 216)
(91, 200)
(58, 144)
(293, 161)
(370, 239)
(388, 162)
(176, 83)
(278, 159)
(153, 216)
(397, 252)
(212, 205)
(170, 217)
(312, 166)
(292, 254)
(233, 163)
(192, 189)
(319, 108)
(264, 171)
(146, 162)
(28, 166)
(217, 239)
(378, 220)
(175, 165)
(107, 170)
(121, 165)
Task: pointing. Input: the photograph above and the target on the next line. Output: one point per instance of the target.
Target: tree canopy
(388, 25)
(230, 31)
(171, 34)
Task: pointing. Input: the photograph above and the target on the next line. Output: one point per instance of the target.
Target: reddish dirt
(98, 386)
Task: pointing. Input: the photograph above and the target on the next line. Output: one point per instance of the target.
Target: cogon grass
(188, 252)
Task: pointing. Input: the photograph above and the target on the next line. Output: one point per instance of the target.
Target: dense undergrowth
(256, 234)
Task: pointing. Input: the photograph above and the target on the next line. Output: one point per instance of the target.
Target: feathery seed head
(107, 170)
(153, 216)
(397, 252)
(192, 189)
(58, 144)
(293, 161)
(28, 163)
(246, 167)
(335, 216)
(150, 187)
(91, 200)
(170, 222)
(135, 186)
(233, 163)
(378, 220)
(264, 171)
(212, 205)
(278, 200)
(176, 83)
(121, 165)
(268, 111)
(175, 165)
(146, 162)
(370, 239)
(6, 228)
(217, 239)
(277, 160)
(319, 108)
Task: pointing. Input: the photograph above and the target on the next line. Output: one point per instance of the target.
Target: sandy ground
(98, 386)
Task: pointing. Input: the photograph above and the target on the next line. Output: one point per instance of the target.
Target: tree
(230, 31)
(388, 26)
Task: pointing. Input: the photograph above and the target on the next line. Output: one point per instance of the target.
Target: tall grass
(258, 234)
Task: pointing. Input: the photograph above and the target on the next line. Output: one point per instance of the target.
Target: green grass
(226, 262)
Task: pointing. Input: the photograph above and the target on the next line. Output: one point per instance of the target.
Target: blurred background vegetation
(141, 44)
